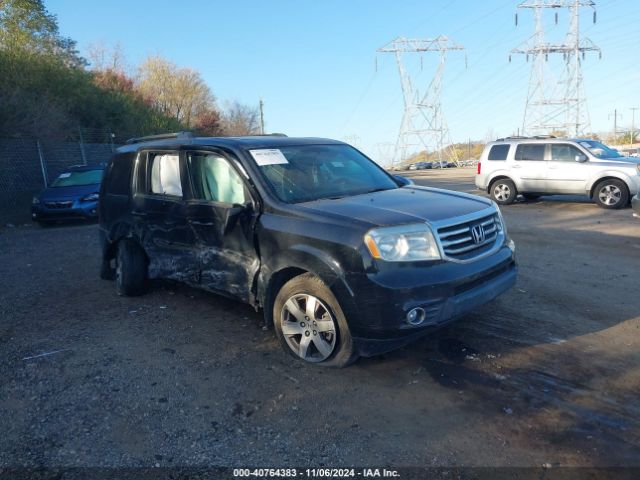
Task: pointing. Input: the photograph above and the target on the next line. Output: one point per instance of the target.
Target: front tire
(503, 191)
(611, 194)
(131, 269)
(311, 325)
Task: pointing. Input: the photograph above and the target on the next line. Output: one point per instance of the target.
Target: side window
(533, 152)
(215, 180)
(498, 152)
(120, 176)
(164, 174)
(564, 153)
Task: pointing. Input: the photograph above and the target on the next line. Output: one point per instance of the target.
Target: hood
(399, 206)
(76, 191)
(631, 160)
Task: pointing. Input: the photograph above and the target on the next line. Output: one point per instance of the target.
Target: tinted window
(214, 179)
(564, 153)
(120, 176)
(74, 179)
(498, 152)
(165, 174)
(310, 172)
(530, 152)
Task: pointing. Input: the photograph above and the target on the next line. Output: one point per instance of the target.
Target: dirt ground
(548, 374)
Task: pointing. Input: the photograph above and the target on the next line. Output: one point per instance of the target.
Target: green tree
(26, 27)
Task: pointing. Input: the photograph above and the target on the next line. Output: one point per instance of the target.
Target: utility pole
(261, 117)
(615, 125)
(556, 101)
(423, 124)
(633, 117)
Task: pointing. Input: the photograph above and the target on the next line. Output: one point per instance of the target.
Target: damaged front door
(159, 211)
(222, 217)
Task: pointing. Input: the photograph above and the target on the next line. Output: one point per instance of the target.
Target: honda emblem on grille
(477, 232)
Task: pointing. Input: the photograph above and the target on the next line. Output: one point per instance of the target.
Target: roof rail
(520, 137)
(162, 136)
(513, 137)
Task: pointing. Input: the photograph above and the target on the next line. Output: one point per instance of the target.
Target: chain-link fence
(28, 165)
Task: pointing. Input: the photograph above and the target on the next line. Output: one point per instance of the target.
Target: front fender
(593, 181)
(304, 257)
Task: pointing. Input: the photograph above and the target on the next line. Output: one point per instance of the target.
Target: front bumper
(64, 210)
(445, 291)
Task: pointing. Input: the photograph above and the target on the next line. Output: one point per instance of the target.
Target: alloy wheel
(309, 327)
(502, 192)
(609, 195)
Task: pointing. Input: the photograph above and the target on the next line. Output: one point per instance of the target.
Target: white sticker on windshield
(337, 164)
(64, 175)
(268, 156)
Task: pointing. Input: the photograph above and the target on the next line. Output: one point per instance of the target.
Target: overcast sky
(314, 62)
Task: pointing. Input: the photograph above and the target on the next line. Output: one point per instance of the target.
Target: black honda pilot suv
(343, 258)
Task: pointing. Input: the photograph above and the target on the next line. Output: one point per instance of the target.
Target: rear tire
(131, 269)
(503, 191)
(611, 194)
(311, 325)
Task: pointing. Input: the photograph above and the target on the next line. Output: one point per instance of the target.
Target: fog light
(416, 316)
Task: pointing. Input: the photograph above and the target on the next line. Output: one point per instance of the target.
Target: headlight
(500, 225)
(405, 243)
(92, 197)
(35, 201)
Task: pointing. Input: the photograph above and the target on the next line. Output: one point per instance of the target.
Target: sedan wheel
(308, 327)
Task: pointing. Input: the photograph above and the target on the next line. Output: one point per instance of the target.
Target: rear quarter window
(119, 181)
(498, 152)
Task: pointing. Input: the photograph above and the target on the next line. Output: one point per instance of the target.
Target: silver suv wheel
(609, 195)
(503, 191)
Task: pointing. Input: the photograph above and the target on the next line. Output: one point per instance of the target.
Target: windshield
(600, 150)
(73, 179)
(311, 172)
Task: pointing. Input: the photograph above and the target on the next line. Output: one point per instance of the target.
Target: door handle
(139, 213)
(516, 166)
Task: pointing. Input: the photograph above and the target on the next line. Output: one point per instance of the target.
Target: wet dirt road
(547, 374)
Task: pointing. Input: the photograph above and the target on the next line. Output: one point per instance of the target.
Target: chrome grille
(459, 241)
(58, 204)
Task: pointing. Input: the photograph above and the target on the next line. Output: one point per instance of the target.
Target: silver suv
(551, 166)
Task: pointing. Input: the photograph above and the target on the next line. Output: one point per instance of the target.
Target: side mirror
(402, 181)
(581, 158)
(233, 214)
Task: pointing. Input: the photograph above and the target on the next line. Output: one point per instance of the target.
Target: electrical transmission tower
(423, 124)
(556, 102)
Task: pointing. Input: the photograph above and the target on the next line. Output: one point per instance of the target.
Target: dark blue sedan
(73, 195)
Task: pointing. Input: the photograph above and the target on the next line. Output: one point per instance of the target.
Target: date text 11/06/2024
(315, 472)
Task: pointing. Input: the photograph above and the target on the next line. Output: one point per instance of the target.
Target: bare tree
(103, 58)
(239, 119)
(179, 93)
